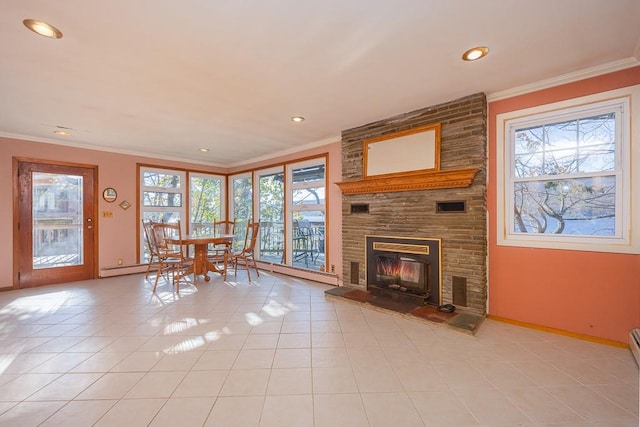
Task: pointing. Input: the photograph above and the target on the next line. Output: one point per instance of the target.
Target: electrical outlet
(107, 214)
(333, 268)
(119, 261)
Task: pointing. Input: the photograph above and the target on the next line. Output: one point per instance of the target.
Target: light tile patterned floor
(274, 352)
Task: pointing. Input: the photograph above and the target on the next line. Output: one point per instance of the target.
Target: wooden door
(56, 229)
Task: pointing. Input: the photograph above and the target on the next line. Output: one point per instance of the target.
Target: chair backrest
(224, 227)
(251, 238)
(162, 233)
(201, 228)
(151, 244)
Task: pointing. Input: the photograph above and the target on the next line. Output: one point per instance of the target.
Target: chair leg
(255, 266)
(155, 285)
(246, 264)
(146, 276)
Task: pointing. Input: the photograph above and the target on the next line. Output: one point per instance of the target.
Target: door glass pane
(57, 220)
(271, 211)
(308, 240)
(307, 206)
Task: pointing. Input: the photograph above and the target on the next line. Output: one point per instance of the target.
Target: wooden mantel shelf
(429, 180)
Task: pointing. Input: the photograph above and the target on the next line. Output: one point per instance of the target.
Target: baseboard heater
(317, 276)
(634, 344)
(303, 273)
(121, 270)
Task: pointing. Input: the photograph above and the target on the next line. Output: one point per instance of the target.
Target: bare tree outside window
(564, 179)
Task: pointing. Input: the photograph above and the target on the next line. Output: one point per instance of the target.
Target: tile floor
(274, 352)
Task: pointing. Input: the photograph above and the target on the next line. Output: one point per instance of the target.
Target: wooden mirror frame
(406, 152)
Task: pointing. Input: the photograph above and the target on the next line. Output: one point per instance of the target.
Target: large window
(288, 200)
(162, 194)
(166, 194)
(565, 177)
(206, 201)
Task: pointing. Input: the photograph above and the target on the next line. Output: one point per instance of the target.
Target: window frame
(222, 214)
(291, 208)
(627, 235)
(142, 209)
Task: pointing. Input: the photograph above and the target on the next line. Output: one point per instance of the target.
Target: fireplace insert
(404, 272)
(406, 265)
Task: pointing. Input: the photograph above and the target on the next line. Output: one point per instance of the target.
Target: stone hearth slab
(390, 304)
(431, 313)
(358, 295)
(467, 322)
(463, 322)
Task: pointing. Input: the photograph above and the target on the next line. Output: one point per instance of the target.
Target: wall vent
(456, 206)
(360, 208)
(459, 290)
(355, 273)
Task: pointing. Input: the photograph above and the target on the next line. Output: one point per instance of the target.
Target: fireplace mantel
(428, 180)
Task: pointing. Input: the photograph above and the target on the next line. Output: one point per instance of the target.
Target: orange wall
(117, 235)
(590, 293)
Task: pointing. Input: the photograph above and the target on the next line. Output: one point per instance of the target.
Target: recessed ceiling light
(297, 119)
(43, 28)
(204, 150)
(475, 53)
(61, 132)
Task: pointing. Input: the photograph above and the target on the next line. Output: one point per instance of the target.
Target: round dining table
(201, 264)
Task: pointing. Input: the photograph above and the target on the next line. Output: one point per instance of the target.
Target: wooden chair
(171, 259)
(151, 246)
(247, 252)
(216, 252)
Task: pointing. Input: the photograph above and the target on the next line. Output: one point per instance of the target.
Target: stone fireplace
(455, 217)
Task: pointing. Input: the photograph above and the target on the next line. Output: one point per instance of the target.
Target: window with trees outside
(166, 195)
(564, 176)
(289, 201)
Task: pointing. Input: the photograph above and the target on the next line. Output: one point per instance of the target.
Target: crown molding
(88, 146)
(585, 73)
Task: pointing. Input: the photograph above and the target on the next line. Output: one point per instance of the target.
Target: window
(241, 205)
(161, 198)
(564, 175)
(206, 201)
(164, 198)
(241, 196)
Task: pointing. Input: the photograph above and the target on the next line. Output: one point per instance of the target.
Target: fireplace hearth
(404, 266)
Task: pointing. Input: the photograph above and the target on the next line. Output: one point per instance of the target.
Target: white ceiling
(166, 77)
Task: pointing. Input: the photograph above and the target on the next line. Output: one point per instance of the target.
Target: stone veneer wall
(413, 213)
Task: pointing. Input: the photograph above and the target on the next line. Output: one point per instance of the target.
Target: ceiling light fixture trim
(43, 28)
(297, 119)
(475, 53)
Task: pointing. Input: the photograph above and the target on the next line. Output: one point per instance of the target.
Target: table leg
(202, 265)
(200, 262)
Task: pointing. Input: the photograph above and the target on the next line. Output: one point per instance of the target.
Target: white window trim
(628, 240)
